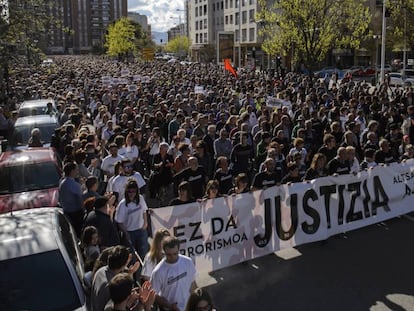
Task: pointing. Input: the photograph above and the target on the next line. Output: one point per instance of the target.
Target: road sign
(148, 54)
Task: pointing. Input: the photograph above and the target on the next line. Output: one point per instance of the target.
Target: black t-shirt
(329, 153)
(196, 179)
(225, 180)
(337, 167)
(107, 229)
(384, 157)
(177, 201)
(264, 180)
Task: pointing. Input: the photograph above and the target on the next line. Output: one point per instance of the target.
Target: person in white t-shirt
(131, 217)
(155, 254)
(108, 163)
(173, 278)
(127, 173)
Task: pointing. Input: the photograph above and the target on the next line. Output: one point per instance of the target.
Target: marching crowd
(135, 136)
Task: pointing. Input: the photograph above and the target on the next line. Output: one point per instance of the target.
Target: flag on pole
(229, 67)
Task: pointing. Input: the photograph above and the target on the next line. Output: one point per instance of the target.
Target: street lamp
(376, 38)
(384, 30)
(184, 24)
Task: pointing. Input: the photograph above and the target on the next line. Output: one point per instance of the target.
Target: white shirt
(131, 215)
(173, 281)
(108, 164)
(148, 266)
(120, 181)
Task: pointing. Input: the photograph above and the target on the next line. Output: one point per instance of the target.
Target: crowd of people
(135, 136)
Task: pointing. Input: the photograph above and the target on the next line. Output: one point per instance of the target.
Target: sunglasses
(132, 190)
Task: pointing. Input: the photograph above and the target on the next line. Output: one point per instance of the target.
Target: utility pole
(384, 30)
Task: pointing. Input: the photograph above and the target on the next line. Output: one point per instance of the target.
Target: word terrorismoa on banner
(225, 231)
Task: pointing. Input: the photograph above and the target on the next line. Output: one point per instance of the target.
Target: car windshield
(22, 133)
(28, 111)
(37, 282)
(28, 177)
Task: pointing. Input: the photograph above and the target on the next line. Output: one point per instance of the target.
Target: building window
(244, 17)
(243, 2)
(244, 35)
(231, 19)
(227, 4)
(205, 9)
(250, 2)
(236, 3)
(222, 5)
(236, 18)
(252, 34)
(251, 16)
(196, 11)
(236, 34)
(231, 4)
(227, 19)
(205, 37)
(196, 25)
(205, 23)
(196, 37)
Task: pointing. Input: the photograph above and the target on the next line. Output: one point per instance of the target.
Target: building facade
(208, 18)
(83, 24)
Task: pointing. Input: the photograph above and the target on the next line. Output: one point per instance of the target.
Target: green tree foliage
(29, 23)
(120, 38)
(402, 24)
(179, 45)
(308, 29)
(142, 38)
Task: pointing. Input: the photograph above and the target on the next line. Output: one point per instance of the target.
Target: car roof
(29, 155)
(36, 103)
(36, 119)
(28, 232)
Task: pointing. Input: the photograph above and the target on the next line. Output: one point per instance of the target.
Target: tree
(308, 29)
(402, 21)
(179, 45)
(120, 38)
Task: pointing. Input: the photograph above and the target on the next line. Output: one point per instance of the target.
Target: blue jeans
(139, 241)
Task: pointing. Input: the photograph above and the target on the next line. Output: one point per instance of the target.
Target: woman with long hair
(155, 254)
(200, 300)
(131, 217)
(317, 168)
(212, 190)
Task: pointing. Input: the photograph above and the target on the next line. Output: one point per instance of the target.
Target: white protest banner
(137, 78)
(199, 89)
(124, 72)
(275, 102)
(225, 231)
(106, 80)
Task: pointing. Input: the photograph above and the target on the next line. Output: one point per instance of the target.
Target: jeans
(139, 241)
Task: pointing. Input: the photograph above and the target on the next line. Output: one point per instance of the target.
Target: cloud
(162, 14)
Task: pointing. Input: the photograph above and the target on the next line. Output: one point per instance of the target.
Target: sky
(162, 14)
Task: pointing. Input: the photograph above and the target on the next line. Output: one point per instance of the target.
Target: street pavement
(367, 269)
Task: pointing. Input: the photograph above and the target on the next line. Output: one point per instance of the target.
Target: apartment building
(209, 18)
(83, 24)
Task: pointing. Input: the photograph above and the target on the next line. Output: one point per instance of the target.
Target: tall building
(140, 19)
(208, 18)
(84, 24)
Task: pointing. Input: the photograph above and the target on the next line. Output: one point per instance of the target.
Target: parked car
(40, 262)
(408, 73)
(29, 179)
(396, 79)
(24, 126)
(36, 107)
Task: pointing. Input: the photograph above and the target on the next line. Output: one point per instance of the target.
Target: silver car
(40, 262)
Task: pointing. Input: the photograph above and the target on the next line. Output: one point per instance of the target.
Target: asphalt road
(368, 269)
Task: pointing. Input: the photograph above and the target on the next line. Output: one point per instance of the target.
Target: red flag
(229, 67)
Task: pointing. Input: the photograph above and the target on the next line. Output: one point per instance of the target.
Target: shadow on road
(368, 269)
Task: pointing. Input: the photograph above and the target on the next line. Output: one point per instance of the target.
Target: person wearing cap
(102, 218)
